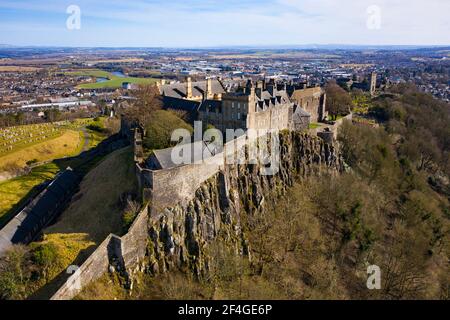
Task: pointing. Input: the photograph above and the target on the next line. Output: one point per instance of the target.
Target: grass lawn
(112, 82)
(68, 144)
(70, 249)
(14, 191)
(97, 202)
(314, 125)
(338, 117)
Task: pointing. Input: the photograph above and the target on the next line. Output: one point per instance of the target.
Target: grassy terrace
(112, 82)
(51, 151)
(100, 192)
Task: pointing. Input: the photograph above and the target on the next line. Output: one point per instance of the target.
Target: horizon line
(261, 46)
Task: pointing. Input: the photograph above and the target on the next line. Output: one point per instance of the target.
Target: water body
(118, 74)
(100, 80)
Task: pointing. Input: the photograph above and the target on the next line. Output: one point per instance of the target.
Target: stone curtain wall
(179, 184)
(127, 251)
(92, 269)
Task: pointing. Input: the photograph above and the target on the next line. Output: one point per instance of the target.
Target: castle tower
(373, 83)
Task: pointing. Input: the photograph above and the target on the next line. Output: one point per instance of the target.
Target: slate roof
(180, 104)
(266, 99)
(162, 159)
(178, 90)
(299, 111)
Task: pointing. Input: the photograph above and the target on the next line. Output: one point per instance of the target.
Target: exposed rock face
(180, 237)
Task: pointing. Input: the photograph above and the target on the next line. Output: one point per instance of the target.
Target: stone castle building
(260, 105)
(313, 101)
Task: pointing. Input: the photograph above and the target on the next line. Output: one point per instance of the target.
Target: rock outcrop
(180, 236)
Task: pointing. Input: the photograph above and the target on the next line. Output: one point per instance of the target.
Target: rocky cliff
(181, 235)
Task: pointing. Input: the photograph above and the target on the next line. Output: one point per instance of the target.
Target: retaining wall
(128, 250)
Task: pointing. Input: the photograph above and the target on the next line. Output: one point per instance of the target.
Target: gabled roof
(300, 112)
(162, 159)
(178, 90)
(180, 104)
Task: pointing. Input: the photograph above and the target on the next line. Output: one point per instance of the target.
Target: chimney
(208, 91)
(189, 88)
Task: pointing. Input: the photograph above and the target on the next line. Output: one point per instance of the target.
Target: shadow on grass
(81, 164)
(11, 213)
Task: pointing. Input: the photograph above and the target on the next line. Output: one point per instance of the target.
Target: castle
(260, 105)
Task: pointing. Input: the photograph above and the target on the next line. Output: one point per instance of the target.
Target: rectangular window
(232, 105)
(239, 116)
(239, 105)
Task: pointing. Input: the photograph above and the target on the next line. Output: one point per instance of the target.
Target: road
(86, 139)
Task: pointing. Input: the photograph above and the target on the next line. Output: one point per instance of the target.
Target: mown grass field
(112, 82)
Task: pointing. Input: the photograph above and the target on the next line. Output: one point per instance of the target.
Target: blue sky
(203, 23)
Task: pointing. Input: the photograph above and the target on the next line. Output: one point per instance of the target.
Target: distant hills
(238, 47)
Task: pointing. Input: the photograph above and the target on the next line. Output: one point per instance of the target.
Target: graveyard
(27, 154)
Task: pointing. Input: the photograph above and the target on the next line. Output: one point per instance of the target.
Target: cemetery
(27, 155)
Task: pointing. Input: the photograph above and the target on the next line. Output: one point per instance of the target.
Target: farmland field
(112, 82)
(18, 69)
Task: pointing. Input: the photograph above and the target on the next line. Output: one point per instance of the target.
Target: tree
(52, 115)
(13, 278)
(339, 101)
(148, 100)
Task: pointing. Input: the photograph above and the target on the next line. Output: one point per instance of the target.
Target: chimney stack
(208, 91)
(189, 88)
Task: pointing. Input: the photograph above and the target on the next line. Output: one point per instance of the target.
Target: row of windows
(238, 104)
